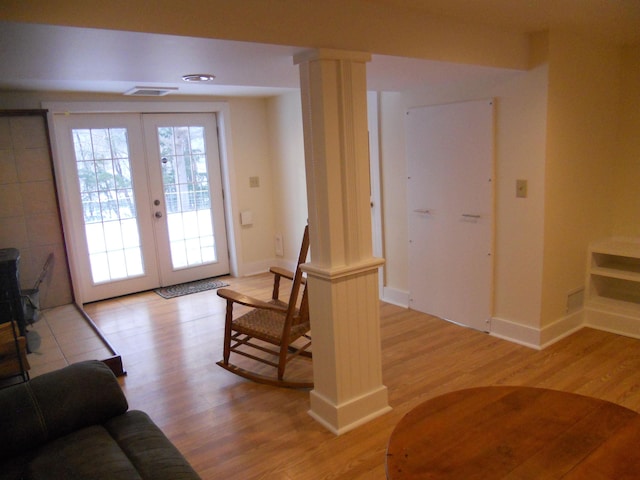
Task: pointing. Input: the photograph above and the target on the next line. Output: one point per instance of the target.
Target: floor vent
(150, 91)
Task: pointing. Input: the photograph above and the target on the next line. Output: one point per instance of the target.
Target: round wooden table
(516, 433)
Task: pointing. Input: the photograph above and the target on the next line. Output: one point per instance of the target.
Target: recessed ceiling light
(198, 77)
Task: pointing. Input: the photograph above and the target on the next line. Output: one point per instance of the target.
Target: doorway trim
(223, 112)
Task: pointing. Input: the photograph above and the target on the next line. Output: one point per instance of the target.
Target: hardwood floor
(230, 428)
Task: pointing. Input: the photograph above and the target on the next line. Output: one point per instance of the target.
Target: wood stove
(10, 295)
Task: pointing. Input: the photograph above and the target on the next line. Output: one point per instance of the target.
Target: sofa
(74, 424)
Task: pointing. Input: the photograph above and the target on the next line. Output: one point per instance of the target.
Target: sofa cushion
(57, 403)
(87, 454)
(82, 394)
(150, 451)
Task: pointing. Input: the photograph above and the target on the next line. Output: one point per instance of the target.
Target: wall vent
(150, 91)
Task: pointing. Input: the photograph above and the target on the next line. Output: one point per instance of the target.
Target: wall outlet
(279, 245)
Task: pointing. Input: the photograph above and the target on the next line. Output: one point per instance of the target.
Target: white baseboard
(395, 297)
(255, 268)
(535, 337)
(561, 328)
(617, 323)
(515, 332)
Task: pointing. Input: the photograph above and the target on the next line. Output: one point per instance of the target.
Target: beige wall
(582, 151)
(289, 178)
(626, 207)
(252, 158)
(29, 219)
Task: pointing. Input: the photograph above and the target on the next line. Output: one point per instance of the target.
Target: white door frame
(373, 112)
(221, 109)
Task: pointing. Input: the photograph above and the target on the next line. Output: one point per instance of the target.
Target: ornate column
(342, 273)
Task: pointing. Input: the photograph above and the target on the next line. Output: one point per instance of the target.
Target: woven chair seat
(267, 325)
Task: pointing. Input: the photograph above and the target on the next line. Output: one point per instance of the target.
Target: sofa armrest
(58, 403)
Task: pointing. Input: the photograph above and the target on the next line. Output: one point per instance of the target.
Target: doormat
(190, 287)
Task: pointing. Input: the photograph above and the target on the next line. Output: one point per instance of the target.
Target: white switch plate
(246, 218)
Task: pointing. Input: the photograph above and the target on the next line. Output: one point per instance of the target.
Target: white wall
(288, 171)
(394, 199)
(520, 154)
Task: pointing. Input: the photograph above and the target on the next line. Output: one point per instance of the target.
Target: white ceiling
(55, 58)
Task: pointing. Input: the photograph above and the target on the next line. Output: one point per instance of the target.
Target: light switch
(521, 188)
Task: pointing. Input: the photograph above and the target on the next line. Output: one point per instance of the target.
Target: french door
(143, 200)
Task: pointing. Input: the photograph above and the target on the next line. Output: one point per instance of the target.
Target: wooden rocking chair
(270, 327)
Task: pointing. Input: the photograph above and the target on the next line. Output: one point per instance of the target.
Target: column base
(342, 418)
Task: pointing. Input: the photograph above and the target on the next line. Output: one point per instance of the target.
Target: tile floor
(53, 340)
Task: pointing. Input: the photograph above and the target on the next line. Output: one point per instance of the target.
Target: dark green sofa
(74, 424)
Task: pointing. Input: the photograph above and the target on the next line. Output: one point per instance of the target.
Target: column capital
(343, 271)
(330, 54)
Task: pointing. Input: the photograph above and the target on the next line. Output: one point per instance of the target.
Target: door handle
(470, 215)
(423, 211)
(158, 214)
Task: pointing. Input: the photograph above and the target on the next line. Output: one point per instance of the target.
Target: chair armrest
(283, 272)
(235, 297)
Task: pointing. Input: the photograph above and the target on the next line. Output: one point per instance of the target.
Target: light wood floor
(230, 428)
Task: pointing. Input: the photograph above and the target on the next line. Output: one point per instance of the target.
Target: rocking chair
(270, 327)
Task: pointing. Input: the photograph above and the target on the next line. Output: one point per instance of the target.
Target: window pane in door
(186, 193)
(108, 203)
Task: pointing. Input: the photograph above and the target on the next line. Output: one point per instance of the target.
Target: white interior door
(132, 226)
(450, 201)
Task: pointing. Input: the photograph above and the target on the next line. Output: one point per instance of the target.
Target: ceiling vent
(150, 91)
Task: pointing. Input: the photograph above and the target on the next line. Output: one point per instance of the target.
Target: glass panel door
(186, 195)
(143, 201)
(184, 168)
(106, 210)
(108, 203)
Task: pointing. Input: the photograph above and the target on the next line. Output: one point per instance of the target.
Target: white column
(342, 273)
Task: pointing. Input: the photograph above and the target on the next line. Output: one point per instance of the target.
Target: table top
(515, 433)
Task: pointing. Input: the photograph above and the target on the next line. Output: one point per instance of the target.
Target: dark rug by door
(190, 287)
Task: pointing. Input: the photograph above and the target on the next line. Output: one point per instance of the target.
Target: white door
(450, 202)
(186, 192)
(143, 200)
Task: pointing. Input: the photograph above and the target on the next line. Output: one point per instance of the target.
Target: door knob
(156, 202)
(158, 214)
